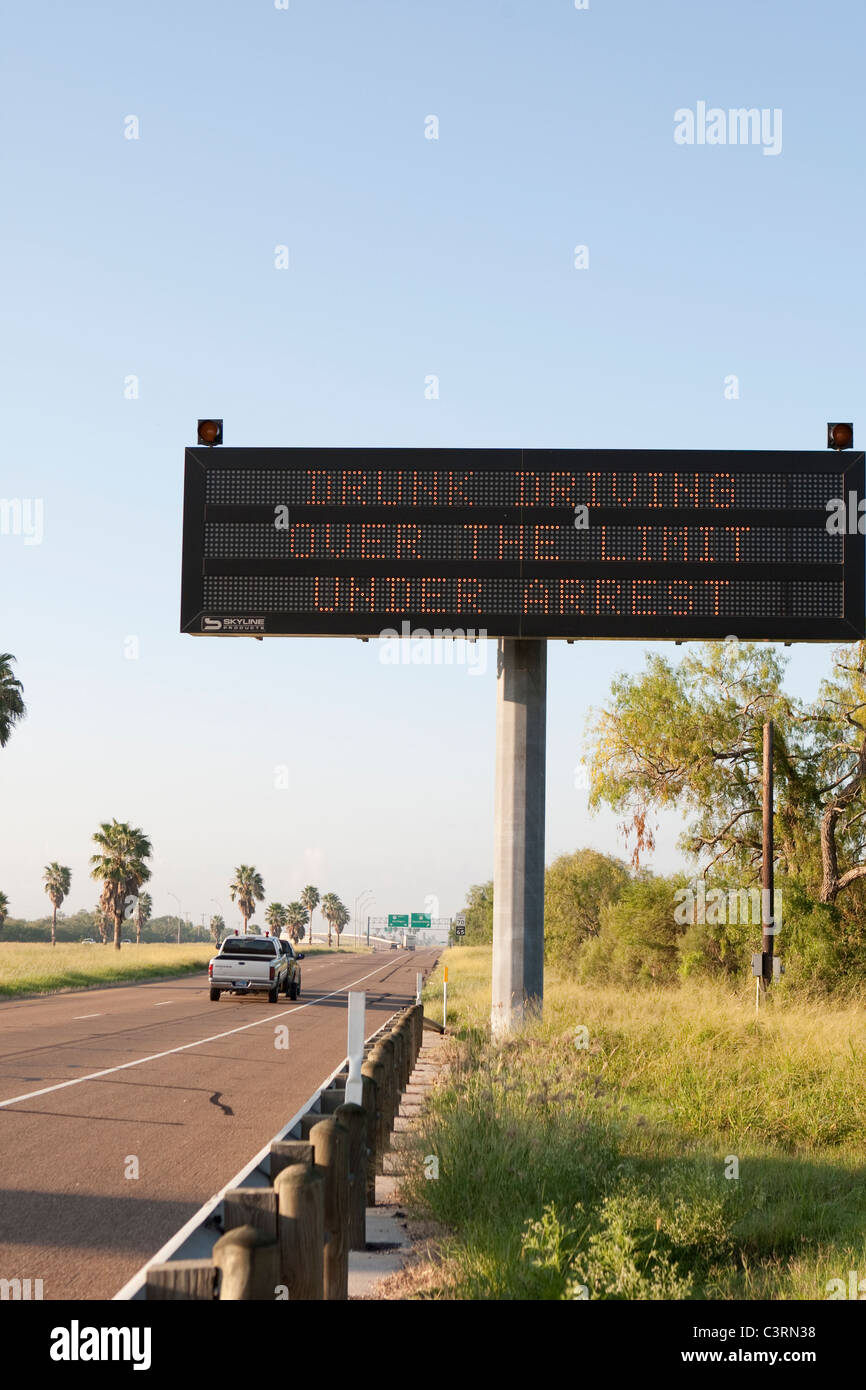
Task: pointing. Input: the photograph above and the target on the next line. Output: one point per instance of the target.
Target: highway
(123, 1110)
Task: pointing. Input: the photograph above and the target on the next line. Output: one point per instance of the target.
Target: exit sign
(420, 920)
(398, 921)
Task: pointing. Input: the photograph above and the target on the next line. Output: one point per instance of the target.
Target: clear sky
(154, 258)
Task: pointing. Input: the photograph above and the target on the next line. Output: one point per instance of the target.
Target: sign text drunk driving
(538, 543)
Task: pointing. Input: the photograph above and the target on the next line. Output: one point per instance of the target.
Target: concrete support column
(518, 849)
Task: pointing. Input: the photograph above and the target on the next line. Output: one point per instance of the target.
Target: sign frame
(844, 471)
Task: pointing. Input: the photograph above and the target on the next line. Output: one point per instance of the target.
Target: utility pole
(518, 837)
(767, 896)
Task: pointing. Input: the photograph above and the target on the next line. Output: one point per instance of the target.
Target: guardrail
(283, 1227)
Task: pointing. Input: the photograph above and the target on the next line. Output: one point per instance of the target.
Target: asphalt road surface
(190, 1092)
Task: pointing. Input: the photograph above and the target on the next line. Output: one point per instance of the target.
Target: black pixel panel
(543, 543)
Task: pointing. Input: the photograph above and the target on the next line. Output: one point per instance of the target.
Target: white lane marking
(74, 1016)
(155, 1056)
(162, 1003)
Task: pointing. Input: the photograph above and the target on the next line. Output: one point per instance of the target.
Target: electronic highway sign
(534, 543)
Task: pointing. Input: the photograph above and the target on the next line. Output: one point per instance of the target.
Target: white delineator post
(419, 985)
(518, 848)
(355, 1049)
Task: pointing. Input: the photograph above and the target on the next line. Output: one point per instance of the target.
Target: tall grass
(601, 1163)
(39, 968)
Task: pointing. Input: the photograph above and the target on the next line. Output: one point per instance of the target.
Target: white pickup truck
(246, 964)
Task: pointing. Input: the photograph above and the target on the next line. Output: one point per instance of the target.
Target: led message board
(544, 543)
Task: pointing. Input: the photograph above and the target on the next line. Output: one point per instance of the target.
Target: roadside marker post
(419, 985)
(355, 1049)
(445, 998)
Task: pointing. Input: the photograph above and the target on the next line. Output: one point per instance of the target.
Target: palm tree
(143, 912)
(4, 909)
(120, 864)
(12, 706)
(101, 922)
(247, 888)
(217, 927)
(342, 917)
(296, 920)
(275, 916)
(330, 911)
(310, 900)
(56, 879)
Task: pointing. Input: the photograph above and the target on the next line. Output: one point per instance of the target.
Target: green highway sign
(399, 921)
(420, 919)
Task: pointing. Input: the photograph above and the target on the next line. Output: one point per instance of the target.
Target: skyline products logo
(233, 625)
(737, 126)
(77, 1343)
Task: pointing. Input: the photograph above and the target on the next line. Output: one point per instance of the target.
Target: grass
(345, 950)
(39, 968)
(597, 1160)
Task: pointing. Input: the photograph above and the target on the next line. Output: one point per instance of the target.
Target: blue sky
(154, 258)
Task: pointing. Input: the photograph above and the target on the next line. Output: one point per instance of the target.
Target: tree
(275, 916)
(479, 914)
(310, 900)
(247, 889)
(639, 940)
(577, 888)
(143, 913)
(838, 721)
(57, 879)
(102, 922)
(330, 904)
(12, 707)
(690, 738)
(217, 927)
(341, 919)
(4, 909)
(296, 920)
(120, 863)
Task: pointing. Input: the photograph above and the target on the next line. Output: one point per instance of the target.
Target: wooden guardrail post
(388, 1051)
(330, 1142)
(332, 1099)
(399, 1045)
(251, 1206)
(354, 1118)
(375, 1066)
(249, 1264)
(371, 1138)
(186, 1279)
(285, 1152)
(412, 1029)
(402, 1032)
(300, 1193)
